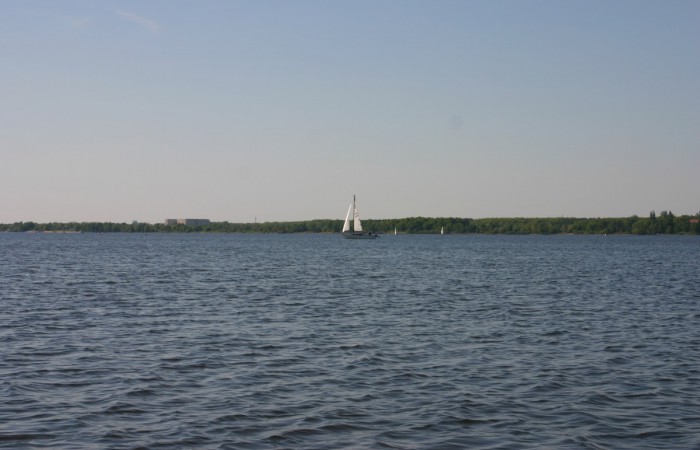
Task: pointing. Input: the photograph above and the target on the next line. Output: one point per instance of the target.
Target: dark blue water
(313, 341)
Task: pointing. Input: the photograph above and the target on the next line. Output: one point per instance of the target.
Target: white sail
(354, 231)
(357, 225)
(346, 225)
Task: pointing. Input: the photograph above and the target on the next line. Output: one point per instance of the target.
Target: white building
(188, 222)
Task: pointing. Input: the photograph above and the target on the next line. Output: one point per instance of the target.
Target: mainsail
(357, 225)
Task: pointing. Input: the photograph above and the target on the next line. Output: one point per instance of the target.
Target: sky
(283, 110)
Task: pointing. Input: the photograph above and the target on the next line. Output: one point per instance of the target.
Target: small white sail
(346, 225)
(357, 225)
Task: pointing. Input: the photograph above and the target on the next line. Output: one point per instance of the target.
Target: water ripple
(311, 341)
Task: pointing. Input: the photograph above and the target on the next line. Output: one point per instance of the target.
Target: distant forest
(664, 223)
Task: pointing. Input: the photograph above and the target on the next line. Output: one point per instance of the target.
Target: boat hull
(360, 236)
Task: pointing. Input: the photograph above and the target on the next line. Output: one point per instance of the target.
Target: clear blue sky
(231, 110)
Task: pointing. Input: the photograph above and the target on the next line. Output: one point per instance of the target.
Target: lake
(311, 341)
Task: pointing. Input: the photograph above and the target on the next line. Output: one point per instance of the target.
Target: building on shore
(188, 222)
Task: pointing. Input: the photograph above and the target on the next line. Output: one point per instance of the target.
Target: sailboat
(356, 232)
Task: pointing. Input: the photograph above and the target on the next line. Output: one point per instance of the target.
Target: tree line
(664, 223)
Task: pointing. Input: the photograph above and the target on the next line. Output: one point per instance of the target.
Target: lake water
(315, 342)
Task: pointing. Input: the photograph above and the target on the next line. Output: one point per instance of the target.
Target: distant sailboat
(442, 230)
(356, 232)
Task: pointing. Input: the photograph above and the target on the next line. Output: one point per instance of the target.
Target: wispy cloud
(144, 22)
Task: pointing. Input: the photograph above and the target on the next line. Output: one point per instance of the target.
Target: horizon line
(368, 219)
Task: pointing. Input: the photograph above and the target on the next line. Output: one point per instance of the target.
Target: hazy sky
(282, 110)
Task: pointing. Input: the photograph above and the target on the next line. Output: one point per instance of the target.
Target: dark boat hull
(360, 236)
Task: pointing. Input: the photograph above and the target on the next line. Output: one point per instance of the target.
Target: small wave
(470, 422)
(555, 333)
(614, 348)
(20, 437)
(600, 398)
(293, 434)
(141, 392)
(363, 398)
(351, 346)
(619, 360)
(123, 408)
(230, 418)
(659, 434)
(548, 387)
(342, 427)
